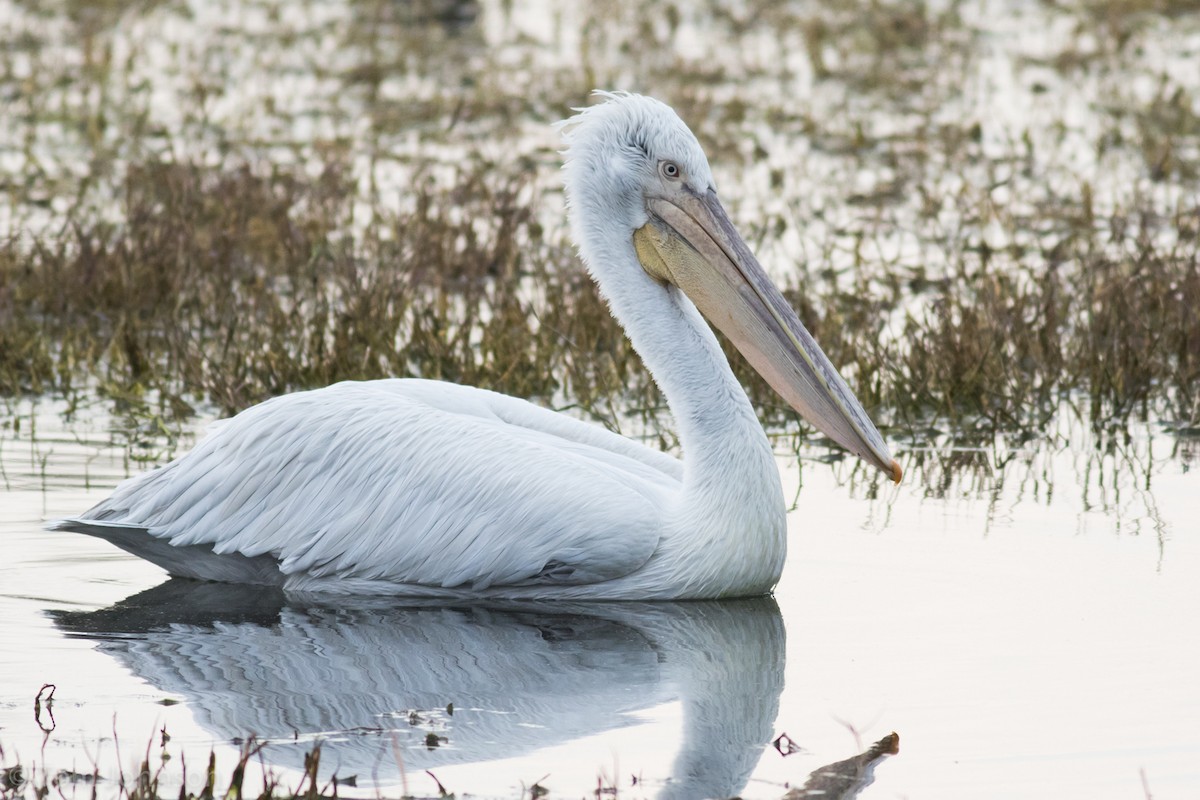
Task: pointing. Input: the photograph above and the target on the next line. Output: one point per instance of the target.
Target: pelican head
(637, 182)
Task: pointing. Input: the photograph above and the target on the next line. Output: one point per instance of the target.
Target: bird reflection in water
(521, 676)
(493, 682)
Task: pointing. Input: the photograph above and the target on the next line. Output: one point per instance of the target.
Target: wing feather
(410, 482)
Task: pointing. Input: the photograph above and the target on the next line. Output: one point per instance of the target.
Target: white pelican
(422, 488)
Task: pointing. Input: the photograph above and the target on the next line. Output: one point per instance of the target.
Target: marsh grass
(234, 286)
(149, 781)
(215, 264)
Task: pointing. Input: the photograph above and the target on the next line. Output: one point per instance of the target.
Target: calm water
(1029, 631)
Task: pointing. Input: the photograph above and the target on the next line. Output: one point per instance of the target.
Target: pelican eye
(670, 170)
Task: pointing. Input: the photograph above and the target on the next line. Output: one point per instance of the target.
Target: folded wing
(411, 483)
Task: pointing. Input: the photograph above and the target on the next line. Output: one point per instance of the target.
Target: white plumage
(522, 676)
(422, 488)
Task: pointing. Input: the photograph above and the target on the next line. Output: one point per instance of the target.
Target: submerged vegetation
(982, 227)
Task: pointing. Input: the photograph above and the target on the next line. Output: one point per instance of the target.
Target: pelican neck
(718, 428)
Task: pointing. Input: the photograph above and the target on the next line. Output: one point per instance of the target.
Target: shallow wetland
(987, 214)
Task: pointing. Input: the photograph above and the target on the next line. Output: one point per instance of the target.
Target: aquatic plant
(963, 271)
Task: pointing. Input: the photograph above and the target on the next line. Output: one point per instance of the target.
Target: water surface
(1028, 630)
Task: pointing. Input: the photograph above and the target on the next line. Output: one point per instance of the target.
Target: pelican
(422, 488)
